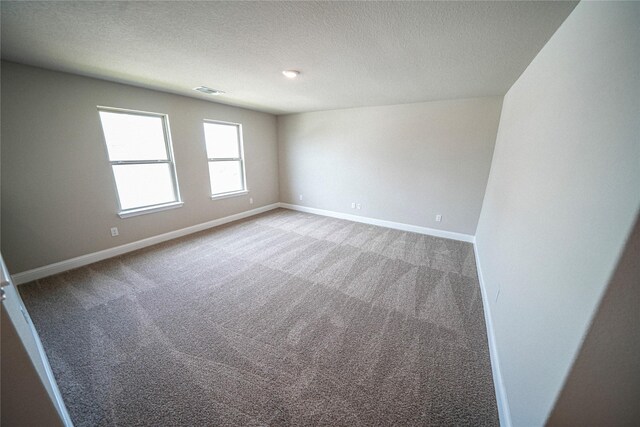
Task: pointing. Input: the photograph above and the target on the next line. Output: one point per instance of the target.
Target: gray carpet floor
(285, 318)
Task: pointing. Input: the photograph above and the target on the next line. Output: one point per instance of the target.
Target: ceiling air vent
(208, 90)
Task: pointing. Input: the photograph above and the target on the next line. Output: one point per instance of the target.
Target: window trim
(149, 209)
(168, 144)
(245, 188)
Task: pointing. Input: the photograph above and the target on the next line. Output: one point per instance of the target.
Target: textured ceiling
(350, 53)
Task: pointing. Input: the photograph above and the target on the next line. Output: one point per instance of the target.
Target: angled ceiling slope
(350, 54)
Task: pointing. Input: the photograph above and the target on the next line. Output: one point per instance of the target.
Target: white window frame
(245, 189)
(141, 210)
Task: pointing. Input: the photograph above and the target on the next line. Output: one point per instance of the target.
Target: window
(139, 149)
(226, 163)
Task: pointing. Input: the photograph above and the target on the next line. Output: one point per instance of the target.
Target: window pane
(222, 141)
(144, 185)
(225, 176)
(133, 137)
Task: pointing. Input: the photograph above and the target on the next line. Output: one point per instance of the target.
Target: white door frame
(23, 324)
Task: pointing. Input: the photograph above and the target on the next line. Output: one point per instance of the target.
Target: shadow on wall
(603, 386)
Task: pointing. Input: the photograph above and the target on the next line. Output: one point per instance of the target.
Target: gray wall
(403, 163)
(562, 196)
(58, 196)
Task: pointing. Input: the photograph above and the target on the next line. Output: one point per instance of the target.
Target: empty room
(320, 213)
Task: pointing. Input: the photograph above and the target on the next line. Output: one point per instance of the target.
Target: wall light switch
(358, 206)
(353, 205)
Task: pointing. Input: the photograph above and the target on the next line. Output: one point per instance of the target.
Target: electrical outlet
(250, 200)
(114, 232)
(438, 218)
(358, 206)
(353, 205)
(300, 197)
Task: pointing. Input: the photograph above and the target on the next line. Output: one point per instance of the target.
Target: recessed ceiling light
(208, 90)
(291, 74)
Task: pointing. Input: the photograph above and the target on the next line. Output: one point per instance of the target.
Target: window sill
(226, 195)
(149, 209)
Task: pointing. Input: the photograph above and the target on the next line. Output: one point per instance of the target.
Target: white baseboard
(59, 267)
(501, 393)
(383, 223)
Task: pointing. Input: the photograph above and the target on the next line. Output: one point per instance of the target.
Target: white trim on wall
(59, 267)
(383, 223)
(501, 394)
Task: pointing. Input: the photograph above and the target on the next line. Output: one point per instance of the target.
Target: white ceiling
(350, 54)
